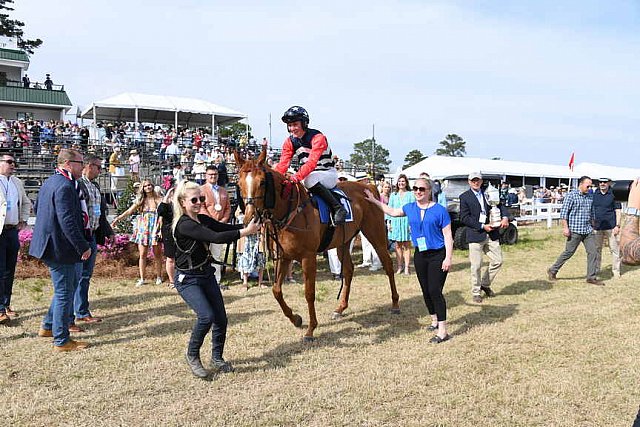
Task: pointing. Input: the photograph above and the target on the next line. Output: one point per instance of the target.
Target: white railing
(540, 212)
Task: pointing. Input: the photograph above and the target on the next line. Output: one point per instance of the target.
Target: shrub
(24, 237)
(115, 249)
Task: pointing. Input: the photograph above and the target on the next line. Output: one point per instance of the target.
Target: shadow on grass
(488, 314)
(519, 288)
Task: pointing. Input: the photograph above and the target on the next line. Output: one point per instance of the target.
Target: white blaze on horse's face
(249, 183)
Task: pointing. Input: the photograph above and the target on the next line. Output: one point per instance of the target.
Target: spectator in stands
(115, 167)
(199, 171)
(15, 207)
(223, 177)
(145, 232)
(5, 139)
(48, 83)
(25, 81)
(134, 165)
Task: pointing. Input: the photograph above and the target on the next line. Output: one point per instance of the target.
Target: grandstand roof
(161, 109)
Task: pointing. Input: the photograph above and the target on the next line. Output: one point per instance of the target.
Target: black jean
(428, 265)
(202, 293)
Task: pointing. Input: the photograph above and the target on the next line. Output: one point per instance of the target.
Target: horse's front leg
(283, 268)
(347, 276)
(309, 272)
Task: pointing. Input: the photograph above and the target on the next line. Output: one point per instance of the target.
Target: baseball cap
(474, 175)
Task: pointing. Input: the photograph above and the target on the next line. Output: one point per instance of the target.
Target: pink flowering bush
(116, 249)
(24, 237)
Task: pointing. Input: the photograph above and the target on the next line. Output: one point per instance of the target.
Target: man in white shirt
(14, 212)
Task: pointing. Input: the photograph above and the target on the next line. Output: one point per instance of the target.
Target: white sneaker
(158, 280)
(139, 283)
(363, 265)
(376, 268)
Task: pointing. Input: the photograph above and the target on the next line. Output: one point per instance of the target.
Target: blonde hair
(428, 185)
(178, 196)
(142, 195)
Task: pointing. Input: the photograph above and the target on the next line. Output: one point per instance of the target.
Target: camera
(621, 190)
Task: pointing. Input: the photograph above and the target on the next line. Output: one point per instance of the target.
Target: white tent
(141, 108)
(595, 171)
(439, 167)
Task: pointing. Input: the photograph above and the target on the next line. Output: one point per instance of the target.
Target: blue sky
(520, 80)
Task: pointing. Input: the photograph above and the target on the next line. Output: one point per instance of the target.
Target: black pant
(428, 265)
(202, 293)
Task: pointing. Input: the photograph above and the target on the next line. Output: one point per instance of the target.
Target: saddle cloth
(325, 210)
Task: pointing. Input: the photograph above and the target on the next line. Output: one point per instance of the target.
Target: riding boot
(339, 212)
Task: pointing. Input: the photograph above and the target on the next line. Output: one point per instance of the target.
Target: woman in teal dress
(399, 229)
(146, 228)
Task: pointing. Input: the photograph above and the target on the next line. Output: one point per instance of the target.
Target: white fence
(540, 212)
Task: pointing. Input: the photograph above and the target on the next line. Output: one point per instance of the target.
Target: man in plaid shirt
(577, 226)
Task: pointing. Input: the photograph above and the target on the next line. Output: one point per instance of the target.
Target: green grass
(538, 354)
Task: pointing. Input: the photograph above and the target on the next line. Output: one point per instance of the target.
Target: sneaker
(337, 277)
(139, 283)
(376, 268)
(551, 275)
(364, 265)
(71, 345)
(616, 275)
(158, 280)
(222, 366)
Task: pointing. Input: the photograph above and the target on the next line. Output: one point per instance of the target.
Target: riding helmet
(295, 114)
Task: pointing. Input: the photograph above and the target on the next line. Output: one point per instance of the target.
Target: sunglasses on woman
(200, 199)
(420, 189)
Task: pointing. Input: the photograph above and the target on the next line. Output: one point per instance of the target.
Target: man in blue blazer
(482, 237)
(59, 240)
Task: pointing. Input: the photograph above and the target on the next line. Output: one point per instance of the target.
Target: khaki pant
(492, 249)
(613, 247)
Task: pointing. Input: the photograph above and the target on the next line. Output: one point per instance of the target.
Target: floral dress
(252, 257)
(145, 231)
(400, 225)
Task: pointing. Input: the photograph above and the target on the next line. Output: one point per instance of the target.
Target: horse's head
(255, 181)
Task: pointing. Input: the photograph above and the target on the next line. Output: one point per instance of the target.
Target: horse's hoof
(395, 311)
(297, 320)
(308, 340)
(335, 315)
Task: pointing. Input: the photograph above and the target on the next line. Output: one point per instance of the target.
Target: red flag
(572, 161)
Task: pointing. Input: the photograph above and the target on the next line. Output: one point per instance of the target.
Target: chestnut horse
(297, 232)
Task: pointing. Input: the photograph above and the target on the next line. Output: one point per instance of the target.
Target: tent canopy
(161, 109)
(442, 166)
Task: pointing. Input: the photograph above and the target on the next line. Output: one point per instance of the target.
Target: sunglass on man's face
(195, 200)
(420, 189)
(476, 180)
(9, 161)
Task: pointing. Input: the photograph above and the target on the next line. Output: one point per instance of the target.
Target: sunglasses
(9, 162)
(420, 189)
(195, 200)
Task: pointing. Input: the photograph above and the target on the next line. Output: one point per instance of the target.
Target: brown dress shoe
(595, 282)
(75, 328)
(4, 319)
(88, 319)
(477, 299)
(45, 333)
(12, 313)
(71, 345)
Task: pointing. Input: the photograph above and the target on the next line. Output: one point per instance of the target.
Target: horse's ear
(238, 157)
(263, 156)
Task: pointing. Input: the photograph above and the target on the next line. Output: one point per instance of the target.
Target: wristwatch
(633, 211)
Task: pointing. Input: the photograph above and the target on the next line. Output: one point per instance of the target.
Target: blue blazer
(58, 235)
(470, 214)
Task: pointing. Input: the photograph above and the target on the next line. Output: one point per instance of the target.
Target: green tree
(452, 145)
(413, 157)
(235, 131)
(12, 28)
(366, 151)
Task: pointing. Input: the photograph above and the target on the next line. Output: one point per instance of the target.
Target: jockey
(316, 171)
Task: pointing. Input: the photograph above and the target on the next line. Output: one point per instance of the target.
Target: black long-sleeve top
(192, 239)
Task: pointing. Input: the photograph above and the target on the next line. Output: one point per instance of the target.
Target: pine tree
(12, 28)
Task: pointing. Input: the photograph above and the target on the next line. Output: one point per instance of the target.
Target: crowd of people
(192, 222)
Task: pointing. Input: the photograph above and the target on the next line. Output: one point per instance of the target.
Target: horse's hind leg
(309, 266)
(378, 239)
(283, 267)
(347, 275)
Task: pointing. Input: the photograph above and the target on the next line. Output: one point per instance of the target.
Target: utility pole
(270, 143)
(373, 151)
